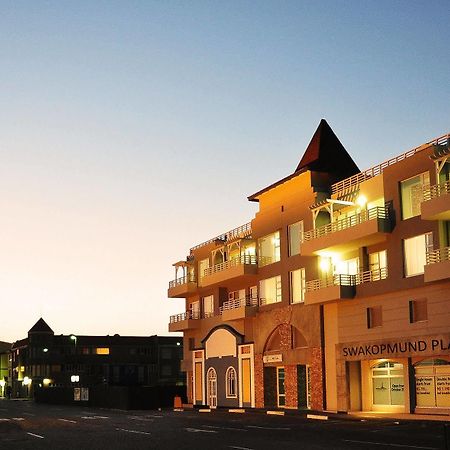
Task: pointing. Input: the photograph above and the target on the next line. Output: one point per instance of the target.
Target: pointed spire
(40, 327)
(325, 153)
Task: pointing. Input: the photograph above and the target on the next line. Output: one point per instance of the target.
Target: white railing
(182, 280)
(238, 303)
(335, 280)
(268, 301)
(374, 213)
(430, 192)
(236, 233)
(239, 261)
(184, 316)
(372, 275)
(355, 180)
(438, 255)
(264, 260)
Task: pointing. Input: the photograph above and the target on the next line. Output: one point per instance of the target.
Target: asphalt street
(26, 425)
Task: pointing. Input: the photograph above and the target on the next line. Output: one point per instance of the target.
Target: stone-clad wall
(291, 386)
(316, 379)
(259, 381)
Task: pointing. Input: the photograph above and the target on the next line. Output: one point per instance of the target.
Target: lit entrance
(212, 387)
(388, 385)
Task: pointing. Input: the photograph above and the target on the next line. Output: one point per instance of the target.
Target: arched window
(231, 383)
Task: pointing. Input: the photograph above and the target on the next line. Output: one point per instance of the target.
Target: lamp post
(74, 339)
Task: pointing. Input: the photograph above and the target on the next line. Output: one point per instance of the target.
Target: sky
(131, 131)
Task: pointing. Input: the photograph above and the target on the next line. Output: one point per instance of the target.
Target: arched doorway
(211, 379)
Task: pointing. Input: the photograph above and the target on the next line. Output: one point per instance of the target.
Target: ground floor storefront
(399, 376)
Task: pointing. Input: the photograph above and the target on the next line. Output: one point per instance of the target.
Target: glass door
(281, 392)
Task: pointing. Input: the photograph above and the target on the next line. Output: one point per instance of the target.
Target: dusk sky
(132, 130)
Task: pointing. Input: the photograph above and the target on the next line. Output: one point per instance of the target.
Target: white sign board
(273, 358)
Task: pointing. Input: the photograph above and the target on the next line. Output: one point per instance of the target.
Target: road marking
(67, 420)
(240, 448)
(132, 431)
(224, 428)
(36, 435)
(268, 428)
(5, 420)
(198, 430)
(18, 418)
(94, 417)
(387, 444)
(316, 417)
(28, 414)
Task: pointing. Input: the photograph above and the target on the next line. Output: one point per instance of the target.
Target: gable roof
(40, 327)
(324, 153)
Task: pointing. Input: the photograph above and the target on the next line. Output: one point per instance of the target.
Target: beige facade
(334, 297)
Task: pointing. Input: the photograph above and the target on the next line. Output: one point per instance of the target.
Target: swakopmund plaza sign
(395, 348)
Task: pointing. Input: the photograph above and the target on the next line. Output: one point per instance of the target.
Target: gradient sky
(132, 130)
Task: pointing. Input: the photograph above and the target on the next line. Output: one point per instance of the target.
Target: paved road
(25, 425)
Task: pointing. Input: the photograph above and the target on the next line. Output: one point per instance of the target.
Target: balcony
(182, 287)
(241, 308)
(371, 275)
(184, 321)
(330, 289)
(436, 202)
(363, 229)
(438, 265)
(243, 266)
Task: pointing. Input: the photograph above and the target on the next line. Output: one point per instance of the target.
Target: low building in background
(336, 296)
(45, 360)
(5, 348)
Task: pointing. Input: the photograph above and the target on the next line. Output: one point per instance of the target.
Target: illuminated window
(269, 249)
(230, 382)
(411, 192)
(101, 351)
(295, 232)
(270, 290)
(414, 252)
(208, 306)
(297, 280)
(388, 384)
(378, 265)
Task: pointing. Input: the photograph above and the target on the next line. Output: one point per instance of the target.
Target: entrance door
(388, 385)
(212, 387)
(281, 392)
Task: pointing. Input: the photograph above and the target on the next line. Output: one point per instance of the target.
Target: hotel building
(336, 296)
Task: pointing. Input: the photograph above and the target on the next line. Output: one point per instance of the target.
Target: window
(418, 311)
(208, 306)
(414, 251)
(194, 309)
(297, 281)
(347, 267)
(101, 351)
(374, 317)
(202, 266)
(238, 297)
(295, 232)
(388, 384)
(378, 265)
(166, 353)
(269, 249)
(270, 290)
(166, 370)
(432, 383)
(254, 295)
(230, 383)
(411, 193)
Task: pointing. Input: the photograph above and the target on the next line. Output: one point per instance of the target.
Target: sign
(428, 345)
(272, 358)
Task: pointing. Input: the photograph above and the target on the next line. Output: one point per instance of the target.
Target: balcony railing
(372, 275)
(335, 280)
(439, 255)
(430, 192)
(239, 261)
(184, 316)
(237, 233)
(268, 301)
(238, 303)
(182, 280)
(348, 280)
(374, 213)
(353, 181)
